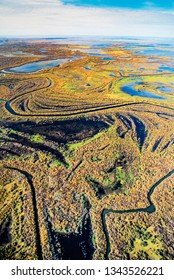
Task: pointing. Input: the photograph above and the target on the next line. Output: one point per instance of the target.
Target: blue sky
(88, 17)
(132, 4)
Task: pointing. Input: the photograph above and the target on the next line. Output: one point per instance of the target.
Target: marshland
(86, 149)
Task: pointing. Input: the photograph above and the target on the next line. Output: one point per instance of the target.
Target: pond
(166, 89)
(130, 89)
(87, 68)
(165, 68)
(108, 58)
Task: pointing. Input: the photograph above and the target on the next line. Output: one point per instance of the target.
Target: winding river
(29, 178)
(149, 209)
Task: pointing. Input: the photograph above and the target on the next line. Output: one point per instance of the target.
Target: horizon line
(64, 37)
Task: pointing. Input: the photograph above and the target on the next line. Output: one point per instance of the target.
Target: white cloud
(44, 17)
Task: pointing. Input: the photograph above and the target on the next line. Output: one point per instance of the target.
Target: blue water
(129, 89)
(108, 58)
(99, 54)
(101, 45)
(87, 68)
(36, 66)
(42, 50)
(165, 68)
(166, 89)
(155, 52)
(96, 54)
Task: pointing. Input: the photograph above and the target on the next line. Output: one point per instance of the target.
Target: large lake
(36, 66)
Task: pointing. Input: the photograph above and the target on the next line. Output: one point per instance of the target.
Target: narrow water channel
(149, 209)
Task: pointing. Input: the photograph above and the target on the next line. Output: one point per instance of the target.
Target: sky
(48, 18)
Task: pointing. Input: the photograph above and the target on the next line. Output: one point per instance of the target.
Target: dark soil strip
(121, 132)
(35, 210)
(14, 148)
(110, 120)
(7, 151)
(165, 116)
(73, 170)
(140, 131)
(51, 235)
(113, 167)
(121, 161)
(5, 231)
(166, 146)
(149, 209)
(97, 187)
(155, 146)
(61, 131)
(104, 147)
(125, 121)
(26, 142)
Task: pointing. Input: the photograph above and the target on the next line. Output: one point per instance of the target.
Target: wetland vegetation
(86, 150)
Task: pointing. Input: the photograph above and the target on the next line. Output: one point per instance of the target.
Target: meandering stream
(29, 178)
(149, 209)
